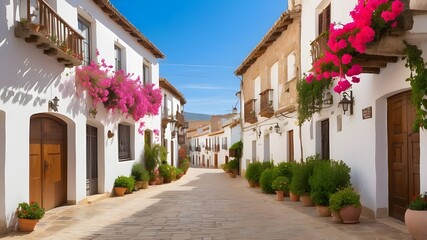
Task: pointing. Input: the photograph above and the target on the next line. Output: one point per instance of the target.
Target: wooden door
(48, 175)
(403, 154)
(91, 160)
(291, 157)
(324, 132)
(216, 160)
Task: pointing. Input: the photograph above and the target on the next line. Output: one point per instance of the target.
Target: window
(124, 142)
(324, 19)
(292, 73)
(84, 28)
(118, 58)
(146, 73)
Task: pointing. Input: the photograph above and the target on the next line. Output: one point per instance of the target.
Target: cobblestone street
(204, 204)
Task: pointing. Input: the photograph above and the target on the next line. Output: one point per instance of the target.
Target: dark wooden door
(403, 154)
(216, 160)
(324, 134)
(291, 157)
(91, 160)
(48, 164)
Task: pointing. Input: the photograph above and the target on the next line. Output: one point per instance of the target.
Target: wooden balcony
(180, 121)
(51, 34)
(250, 112)
(266, 107)
(216, 148)
(377, 55)
(165, 117)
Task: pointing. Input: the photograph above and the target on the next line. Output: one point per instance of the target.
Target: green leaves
(418, 80)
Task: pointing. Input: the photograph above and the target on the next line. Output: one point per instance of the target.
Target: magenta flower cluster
(344, 41)
(118, 91)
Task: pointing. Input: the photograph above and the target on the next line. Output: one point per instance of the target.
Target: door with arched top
(403, 154)
(48, 163)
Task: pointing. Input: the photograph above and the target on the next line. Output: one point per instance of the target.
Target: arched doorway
(48, 162)
(403, 154)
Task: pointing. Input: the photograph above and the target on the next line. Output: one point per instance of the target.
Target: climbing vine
(418, 80)
(310, 98)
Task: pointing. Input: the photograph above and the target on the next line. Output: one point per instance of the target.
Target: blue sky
(204, 42)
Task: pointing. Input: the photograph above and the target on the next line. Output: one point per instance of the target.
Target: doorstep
(392, 222)
(94, 198)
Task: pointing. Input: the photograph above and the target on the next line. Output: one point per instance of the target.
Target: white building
(386, 157)
(173, 122)
(210, 140)
(375, 139)
(59, 154)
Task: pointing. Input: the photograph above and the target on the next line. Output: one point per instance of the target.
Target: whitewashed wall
(30, 79)
(362, 144)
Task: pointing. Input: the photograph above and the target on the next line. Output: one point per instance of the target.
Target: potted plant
(29, 215)
(151, 156)
(301, 174)
(346, 202)
(253, 173)
(22, 28)
(280, 185)
(165, 170)
(153, 177)
(185, 164)
(145, 177)
(266, 180)
(328, 176)
(136, 172)
(123, 184)
(179, 173)
(233, 165)
(416, 217)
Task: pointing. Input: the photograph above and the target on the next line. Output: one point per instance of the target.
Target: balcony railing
(51, 33)
(266, 107)
(208, 148)
(250, 111)
(224, 146)
(180, 121)
(377, 55)
(216, 148)
(197, 149)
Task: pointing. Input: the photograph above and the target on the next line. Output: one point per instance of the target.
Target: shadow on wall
(27, 75)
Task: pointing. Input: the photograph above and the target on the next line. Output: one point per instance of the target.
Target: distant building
(173, 122)
(210, 140)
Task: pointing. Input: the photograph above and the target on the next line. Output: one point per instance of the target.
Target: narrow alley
(204, 204)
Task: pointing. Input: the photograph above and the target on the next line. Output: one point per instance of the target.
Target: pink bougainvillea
(371, 19)
(118, 91)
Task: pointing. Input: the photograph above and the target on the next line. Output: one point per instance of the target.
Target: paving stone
(205, 204)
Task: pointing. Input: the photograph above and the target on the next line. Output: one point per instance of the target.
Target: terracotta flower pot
(350, 214)
(336, 217)
(280, 195)
(138, 184)
(323, 211)
(144, 185)
(119, 191)
(160, 180)
(27, 225)
(294, 197)
(306, 200)
(416, 221)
